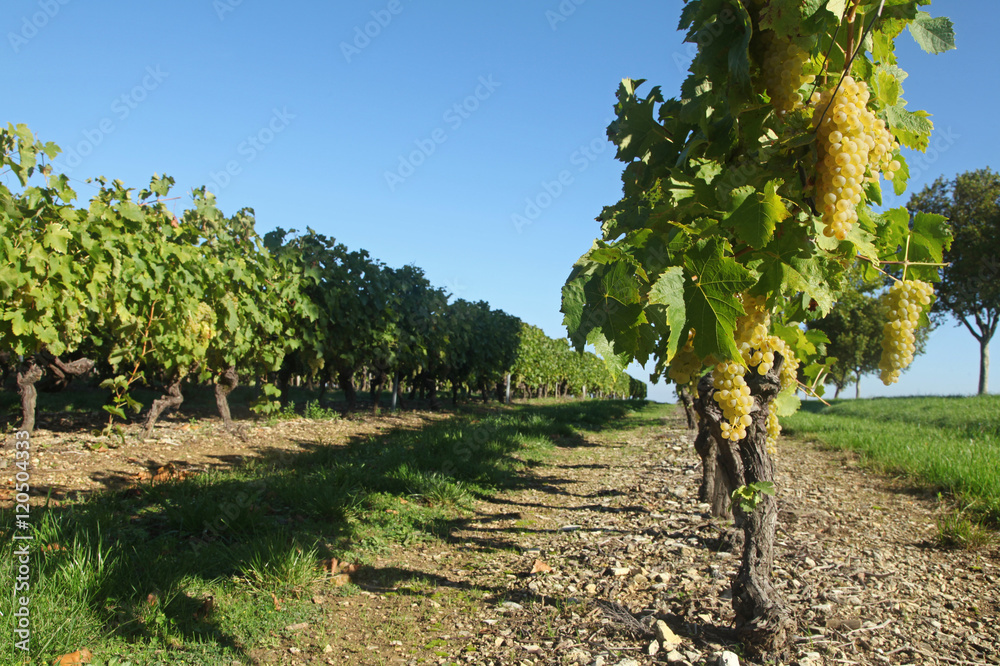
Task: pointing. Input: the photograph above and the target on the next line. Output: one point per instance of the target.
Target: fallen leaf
(331, 565)
(74, 658)
(298, 626)
(277, 602)
(540, 567)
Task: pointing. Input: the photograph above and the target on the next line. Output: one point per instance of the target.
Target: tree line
(124, 288)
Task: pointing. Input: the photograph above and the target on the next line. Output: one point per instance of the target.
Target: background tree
(970, 285)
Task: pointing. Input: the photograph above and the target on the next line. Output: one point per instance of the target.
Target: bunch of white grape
(905, 301)
(733, 396)
(783, 73)
(202, 323)
(685, 364)
(751, 334)
(773, 430)
(854, 147)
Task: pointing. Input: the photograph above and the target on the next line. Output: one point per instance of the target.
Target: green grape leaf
(901, 176)
(934, 35)
(888, 84)
(712, 281)
(615, 362)
(787, 402)
(912, 128)
(893, 226)
(668, 290)
(56, 237)
(929, 239)
(873, 192)
(755, 217)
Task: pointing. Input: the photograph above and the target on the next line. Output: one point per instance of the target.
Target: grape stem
(906, 263)
(810, 391)
(847, 65)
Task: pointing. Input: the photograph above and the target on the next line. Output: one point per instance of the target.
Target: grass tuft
(950, 443)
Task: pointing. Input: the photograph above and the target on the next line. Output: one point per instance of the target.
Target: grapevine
(745, 201)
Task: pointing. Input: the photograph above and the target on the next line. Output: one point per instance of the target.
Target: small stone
(532, 649)
(653, 648)
(599, 661)
(674, 657)
(627, 662)
(327, 649)
(850, 624)
(294, 650)
(640, 580)
(590, 588)
(727, 658)
(811, 659)
(569, 528)
(299, 626)
(620, 571)
(666, 636)
(511, 606)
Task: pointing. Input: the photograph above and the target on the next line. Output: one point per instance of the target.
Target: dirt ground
(605, 539)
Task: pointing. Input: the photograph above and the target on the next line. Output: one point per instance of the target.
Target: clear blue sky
(422, 139)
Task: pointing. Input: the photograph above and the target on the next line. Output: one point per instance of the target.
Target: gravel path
(629, 569)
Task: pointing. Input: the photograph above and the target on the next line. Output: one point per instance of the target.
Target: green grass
(125, 574)
(950, 443)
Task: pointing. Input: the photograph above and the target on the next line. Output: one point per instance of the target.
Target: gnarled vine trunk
(378, 380)
(172, 399)
(346, 379)
(227, 380)
(722, 471)
(762, 621)
(61, 373)
(688, 403)
(27, 375)
(763, 624)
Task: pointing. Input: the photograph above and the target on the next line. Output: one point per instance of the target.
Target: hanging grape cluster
(685, 364)
(202, 323)
(789, 378)
(733, 396)
(905, 301)
(731, 389)
(783, 72)
(854, 147)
